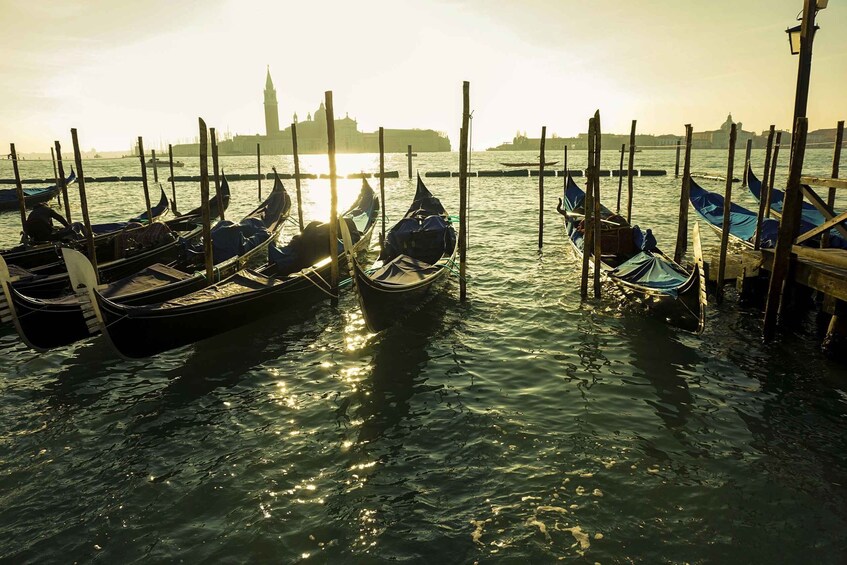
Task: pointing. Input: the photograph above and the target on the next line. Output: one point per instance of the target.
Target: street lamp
(794, 32)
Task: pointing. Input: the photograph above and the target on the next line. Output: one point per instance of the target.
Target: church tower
(271, 110)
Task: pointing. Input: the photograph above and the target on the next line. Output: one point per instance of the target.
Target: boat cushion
(404, 270)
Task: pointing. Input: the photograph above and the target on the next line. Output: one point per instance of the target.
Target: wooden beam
(630, 169)
(827, 212)
(836, 163)
(382, 185)
(19, 188)
(204, 203)
(588, 211)
(682, 228)
(259, 168)
(597, 227)
(297, 175)
(757, 240)
(620, 179)
(173, 182)
(824, 227)
(766, 194)
(823, 181)
(463, 190)
(83, 203)
(676, 168)
(727, 208)
(333, 198)
(61, 165)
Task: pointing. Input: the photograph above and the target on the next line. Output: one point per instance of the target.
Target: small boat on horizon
(165, 163)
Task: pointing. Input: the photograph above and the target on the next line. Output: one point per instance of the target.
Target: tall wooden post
(259, 168)
(297, 175)
(596, 200)
(685, 193)
(173, 181)
(83, 201)
(588, 210)
(63, 180)
(333, 198)
(747, 161)
(463, 191)
(757, 240)
(155, 165)
(18, 187)
(214, 138)
(409, 156)
(630, 170)
(727, 207)
(204, 202)
(143, 179)
(620, 180)
(788, 226)
(767, 195)
(55, 171)
(382, 185)
(565, 157)
(541, 188)
(836, 162)
(676, 169)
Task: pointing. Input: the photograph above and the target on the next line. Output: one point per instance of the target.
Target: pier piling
(757, 240)
(18, 187)
(60, 164)
(171, 168)
(597, 223)
(463, 191)
(747, 162)
(727, 207)
(836, 162)
(588, 211)
(630, 169)
(216, 171)
(682, 229)
(204, 202)
(409, 157)
(772, 179)
(620, 180)
(382, 185)
(259, 170)
(676, 168)
(333, 197)
(83, 201)
(143, 178)
(541, 188)
(297, 175)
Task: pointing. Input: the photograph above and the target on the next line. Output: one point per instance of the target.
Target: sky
(116, 70)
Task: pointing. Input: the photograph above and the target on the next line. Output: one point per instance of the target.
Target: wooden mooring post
(409, 157)
(83, 201)
(620, 180)
(588, 211)
(173, 181)
(259, 169)
(204, 202)
(747, 161)
(676, 168)
(565, 169)
(772, 179)
(630, 170)
(155, 165)
(597, 220)
(382, 185)
(61, 167)
(143, 179)
(685, 193)
(788, 228)
(333, 197)
(297, 175)
(19, 189)
(836, 162)
(55, 171)
(757, 240)
(541, 188)
(463, 191)
(214, 139)
(727, 207)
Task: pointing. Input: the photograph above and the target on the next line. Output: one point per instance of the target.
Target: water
(522, 426)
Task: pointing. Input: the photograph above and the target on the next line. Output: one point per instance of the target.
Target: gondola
(126, 252)
(164, 163)
(48, 323)
(417, 254)
(811, 216)
(631, 260)
(32, 196)
(742, 222)
(295, 275)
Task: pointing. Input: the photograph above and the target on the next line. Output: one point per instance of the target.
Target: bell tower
(271, 109)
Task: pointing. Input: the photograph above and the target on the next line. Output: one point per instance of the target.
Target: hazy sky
(116, 70)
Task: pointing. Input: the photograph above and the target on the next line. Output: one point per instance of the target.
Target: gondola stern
(84, 284)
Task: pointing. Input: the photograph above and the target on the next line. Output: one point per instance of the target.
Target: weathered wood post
(757, 240)
(259, 168)
(143, 179)
(597, 224)
(463, 191)
(566, 164)
(19, 187)
(409, 156)
(788, 227)
(83, 202)
(60, 164)
(678, 147)
(297, 175)
(620, 180)
(55, 172)
(836, 162)
(727, 207)
(771, 180)
(204, 202)
(630, 169)
(155, 165)
(588, 213)
(541, 188)
(333, 198)
(682, 230)
(173, 181)
(747, 161)
(214, 138)
(382, 185)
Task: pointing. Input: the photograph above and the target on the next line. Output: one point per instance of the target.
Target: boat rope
(451, 266)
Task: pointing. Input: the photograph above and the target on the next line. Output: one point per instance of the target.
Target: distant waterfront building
(311, 135)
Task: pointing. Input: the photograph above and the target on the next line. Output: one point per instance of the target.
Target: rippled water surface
(521, 426)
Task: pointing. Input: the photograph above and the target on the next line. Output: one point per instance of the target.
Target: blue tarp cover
(650, 271)
(426, 239)
(404, 270)
(230, 239)
(742, 222)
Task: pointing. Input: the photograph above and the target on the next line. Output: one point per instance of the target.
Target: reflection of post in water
(664, 368)
(400, 355)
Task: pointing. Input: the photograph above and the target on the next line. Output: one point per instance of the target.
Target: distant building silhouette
(311, 135)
